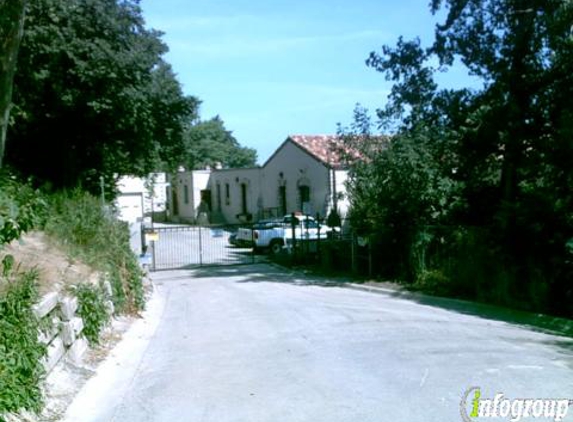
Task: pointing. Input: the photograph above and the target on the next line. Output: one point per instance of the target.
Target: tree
(506, 144)
(11, 29)
(208, 143)
(396, 187)
(94, 96)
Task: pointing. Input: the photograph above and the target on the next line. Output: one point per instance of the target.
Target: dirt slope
(56, 269)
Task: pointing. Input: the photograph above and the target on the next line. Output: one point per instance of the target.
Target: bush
(92, 309)
(433, 282)
(80, 223)
(21, 352)
(21, 208)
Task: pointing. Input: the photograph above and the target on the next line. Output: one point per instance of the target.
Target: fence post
(293, 229)
(254, 245)
(200, 248)
(142, 235)
(353, 252)
(153, 254)
(369, 256)
(318, 237)
(306, 241)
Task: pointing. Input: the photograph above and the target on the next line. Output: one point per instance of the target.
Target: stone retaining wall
(61, 329)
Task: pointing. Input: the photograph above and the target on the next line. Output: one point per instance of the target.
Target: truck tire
(275, 247)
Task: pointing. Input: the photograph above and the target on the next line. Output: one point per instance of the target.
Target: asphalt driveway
(255, 343)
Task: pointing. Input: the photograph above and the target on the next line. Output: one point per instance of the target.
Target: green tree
(399, 186)
(94, 96)
(208, 143)
(11, 29)
(503, 147)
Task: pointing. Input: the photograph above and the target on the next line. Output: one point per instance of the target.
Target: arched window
(304, 194)
(218, 196)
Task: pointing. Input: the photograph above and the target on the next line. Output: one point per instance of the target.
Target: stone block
(110, 309)
(54, 353)
(77, 351)
(46, 304)
(68, 307)
(107, 288)
(46, 335)
(71, 330)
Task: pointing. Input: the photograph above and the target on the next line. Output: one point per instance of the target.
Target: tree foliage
(208, 143)
(11, 28)
(93, 95)
(496, 157)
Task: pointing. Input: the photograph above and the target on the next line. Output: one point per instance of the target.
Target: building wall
(293, 168)
(186, 187)
(290, 171)
(343, 204)
(160, 184)
(227, 199)
(152, 201)
(129, 207)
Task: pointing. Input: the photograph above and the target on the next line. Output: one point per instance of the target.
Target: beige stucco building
(304, 174)
(140, 197)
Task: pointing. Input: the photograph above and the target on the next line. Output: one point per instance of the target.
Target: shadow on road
(536, 322)
(264, 273)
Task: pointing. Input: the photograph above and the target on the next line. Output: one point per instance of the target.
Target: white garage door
(130, 207)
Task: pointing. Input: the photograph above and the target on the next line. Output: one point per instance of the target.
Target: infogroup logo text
(473, 406)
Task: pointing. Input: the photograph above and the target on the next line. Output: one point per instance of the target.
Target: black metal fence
(176, 246)
(338, 249)
(170, 246)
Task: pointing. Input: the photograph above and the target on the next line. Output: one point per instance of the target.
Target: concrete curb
(553, 325)
(541, 322)
(374, 289)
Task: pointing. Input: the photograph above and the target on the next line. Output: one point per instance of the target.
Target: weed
(21, 370)
(92, 309)
(81, 224)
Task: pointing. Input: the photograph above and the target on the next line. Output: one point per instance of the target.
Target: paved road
(256, 344)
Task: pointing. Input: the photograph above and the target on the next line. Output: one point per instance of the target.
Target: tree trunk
(11, 30)
(522, 28)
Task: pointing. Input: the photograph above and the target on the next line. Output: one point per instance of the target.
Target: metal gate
(180, 247)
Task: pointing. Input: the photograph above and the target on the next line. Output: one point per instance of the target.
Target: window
(227, 194)
(304, 192)
(282, 200)
(186, 194)
(218, 196)
(206, 199)
(243, 198)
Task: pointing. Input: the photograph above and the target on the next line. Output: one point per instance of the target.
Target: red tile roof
(328, 149)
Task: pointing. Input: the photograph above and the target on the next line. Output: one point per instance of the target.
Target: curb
(380, 290)
(545, 323)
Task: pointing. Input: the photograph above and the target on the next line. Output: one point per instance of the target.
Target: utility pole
(102, 186)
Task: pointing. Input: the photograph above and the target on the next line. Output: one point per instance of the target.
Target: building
(139, 197)
(188, 195)
(305, 174)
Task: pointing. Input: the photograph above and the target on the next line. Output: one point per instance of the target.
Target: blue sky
(273, 68)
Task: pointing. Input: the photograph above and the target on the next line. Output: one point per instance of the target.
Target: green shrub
(80, 223)
(92, 309)
(22, 208)
(433, 282)
(21, 370)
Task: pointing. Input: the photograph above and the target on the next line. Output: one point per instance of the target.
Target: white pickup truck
(245, 235)
(275, 234)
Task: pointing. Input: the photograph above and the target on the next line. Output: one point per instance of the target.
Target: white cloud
(237, 46)
(316, 98)
(213, 22)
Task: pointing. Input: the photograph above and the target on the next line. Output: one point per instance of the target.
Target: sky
(271, 68)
